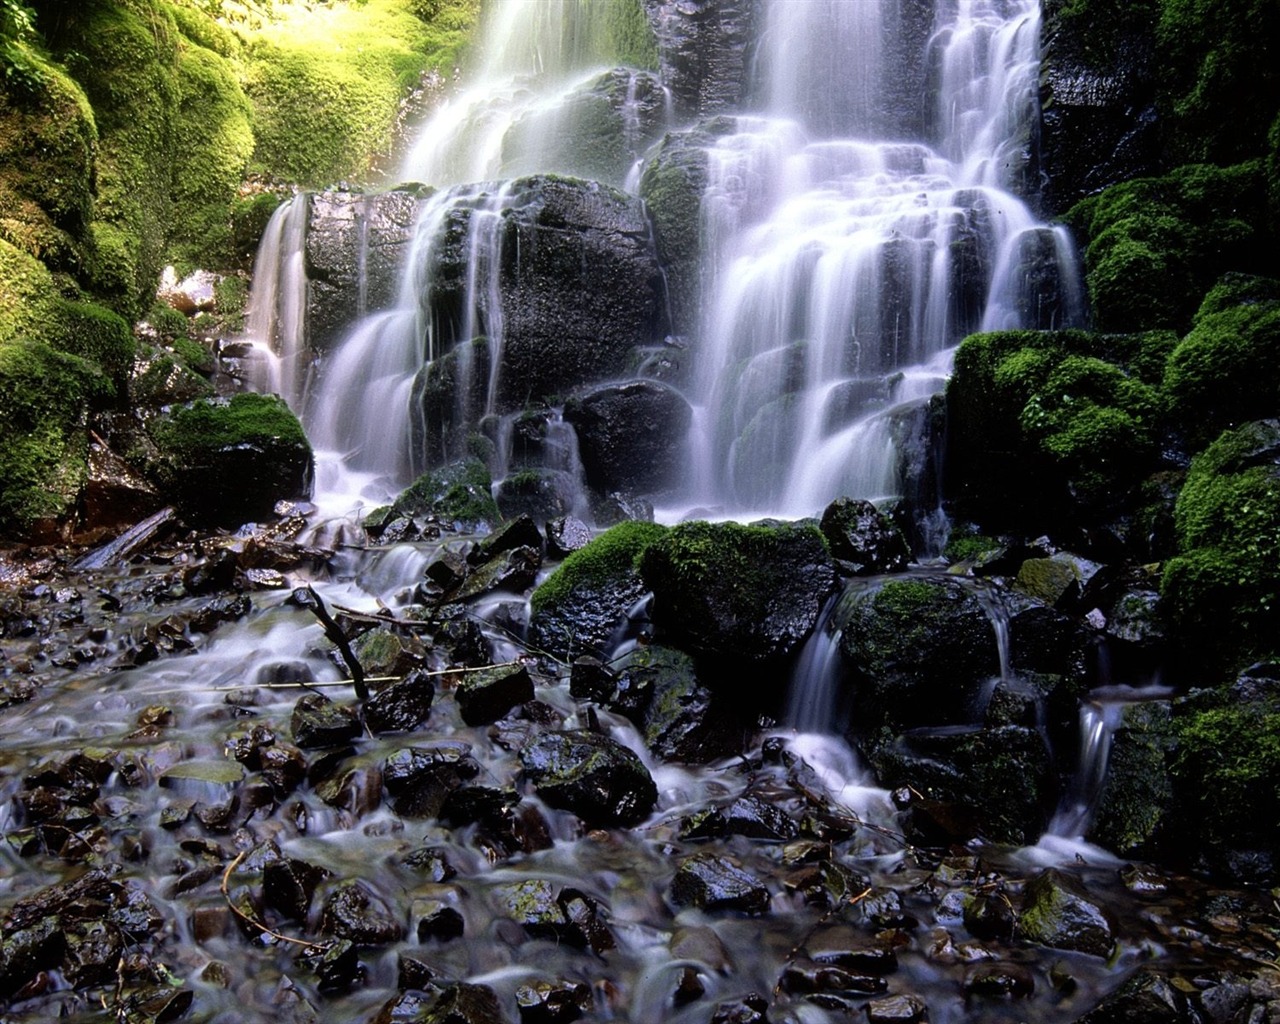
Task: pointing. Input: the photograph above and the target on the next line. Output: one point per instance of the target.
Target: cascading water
(841, 271)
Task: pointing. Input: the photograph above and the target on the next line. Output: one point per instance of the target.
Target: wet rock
(1136, 807)
(1136, 619)
(804, 977)
(846, 947)
(465, 643)
(682, 720)
(566, 535)
(447, 570)
(432, 862)
(438, 920)
(990, 915)
(591, 775)
(1146, 998)
(590, 679)
(464, 1004)
(354, 912)
(750, 1009)
(567, 915)
(513, 570)
(420, 779)
(897, 1010)
(486, 696)
(319, 722)
(336, 965)
(520, 532)
(865, 538)
(383, 652)
(737, 593)
(552, 1002)
(401, 706)
(1000, 981)
(288, 886)
(413, 973)
(711, 882)
(702, 944)
(1055, 914)
(631, 435)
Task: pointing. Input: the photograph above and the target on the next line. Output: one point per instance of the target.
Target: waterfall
(845, 260)
(276, 316)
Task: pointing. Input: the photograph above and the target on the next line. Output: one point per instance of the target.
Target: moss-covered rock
(738, 593)
(459, 493)
(1134, 812)
(578, 607)
(1222, 591)
(228, 462)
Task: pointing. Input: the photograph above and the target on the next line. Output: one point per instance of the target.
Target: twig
(226, 878)
(308, 598)
(308, 684)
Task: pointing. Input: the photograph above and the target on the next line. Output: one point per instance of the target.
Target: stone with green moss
(228, 462)
(458, 493)
(579, 606)
(738, 593)
(1055, 914)
(1134, 815)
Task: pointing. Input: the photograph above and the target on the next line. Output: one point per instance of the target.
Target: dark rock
(750, 1009)
(897, 1010)
(1146, 998)
(487, 695)
(356, 246)
(860, 534)
(567, 916)
(566, 535)
(804, 977)
(919, 651)
(420, 779)
(548, 1002)
(704, 50)
(1000, 981)
(590, 679)
(289, 884)
(413, 973)
(485, 805)
(594, 776)
(989, 916)
(682, 720)
(712, 882)
(464, 1004)
(431, 862)
(631, 436)
(513, 570)
(538, 493)
(689, 988)
(353, 912)
(319, 722)
(1136, 619)
(465, 643)
(1136, 807)
(438, 920)
(336, 965)
(383, 652)
(1055, 914)
(401, 706)
(448, 570)
(521, 532)
(738, 593)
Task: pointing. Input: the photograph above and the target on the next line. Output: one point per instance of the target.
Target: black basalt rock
(711, 882)
(594, 776)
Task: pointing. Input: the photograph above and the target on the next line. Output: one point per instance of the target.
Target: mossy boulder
(737, 593)
(862, 536)
(226, 463)
(458, 493)
(578, 607)
(1222, 591)
(918, 650)
(1056, 914)
(1134, 815)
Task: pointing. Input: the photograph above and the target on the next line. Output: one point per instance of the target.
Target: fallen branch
(252, 922)
(307, 598)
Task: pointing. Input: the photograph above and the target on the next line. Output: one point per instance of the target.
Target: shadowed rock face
(705, 50)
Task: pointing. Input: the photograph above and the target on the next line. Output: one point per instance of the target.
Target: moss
(206, 426)
(194, 356)
(43, 444)
(969, 548)
(1225, 371)
(614, 553)
(1223, 588)
(27, 292)
(459, 492)
(1155, 245)
(163, 380)
(94, 333)
(167, 322)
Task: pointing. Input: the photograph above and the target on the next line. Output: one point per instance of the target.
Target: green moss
(97, 334)
(1155, 245)
(1223, 589)
(969, 548)
(613, 553)
(190, 433)
(43, 398)
(460, 492)
(27, 292)
(167, 321)
(1225, 370)
(193, 355)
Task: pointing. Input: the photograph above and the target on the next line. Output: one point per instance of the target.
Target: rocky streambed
(204, 820)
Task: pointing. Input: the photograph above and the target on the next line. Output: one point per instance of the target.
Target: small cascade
(276, 324)
(1076, 811)
(814, 692)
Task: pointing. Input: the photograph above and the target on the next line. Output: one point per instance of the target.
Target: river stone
(432, 862)
(989, 916)
(897, 1010)
(861, 535)
(738, 593)
(750, 1009)
(289, 884)
(402, 705)
(335, 964)
(520, 532)
(712, 882)
(352, 911)
(566, 535)
(631, 436)
(420, 779)
(1000, 981)
(1145, 998)
(919, 652)
(462, 1003)
(592, 775)
(438, 920)
(513, 570)
(319, 722)
(1055, 914)
(805, 977)
(552, 1002)
(567, 915)
(487, 695)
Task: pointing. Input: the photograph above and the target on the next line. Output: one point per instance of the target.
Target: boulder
(712, 882)
(861, 535)
(1055, 913)
(1134, 814)
(420, 779)
(919, 652)
(738, 593)
(592, 775)
(631, 436)
(486, 696)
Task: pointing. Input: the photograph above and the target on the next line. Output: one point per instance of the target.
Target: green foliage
(612, 554)
(1226, 371)
(193, 355)
(1223, 589)
(22, 72)
(43, 398)
(969, 548)
(1154, 245)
